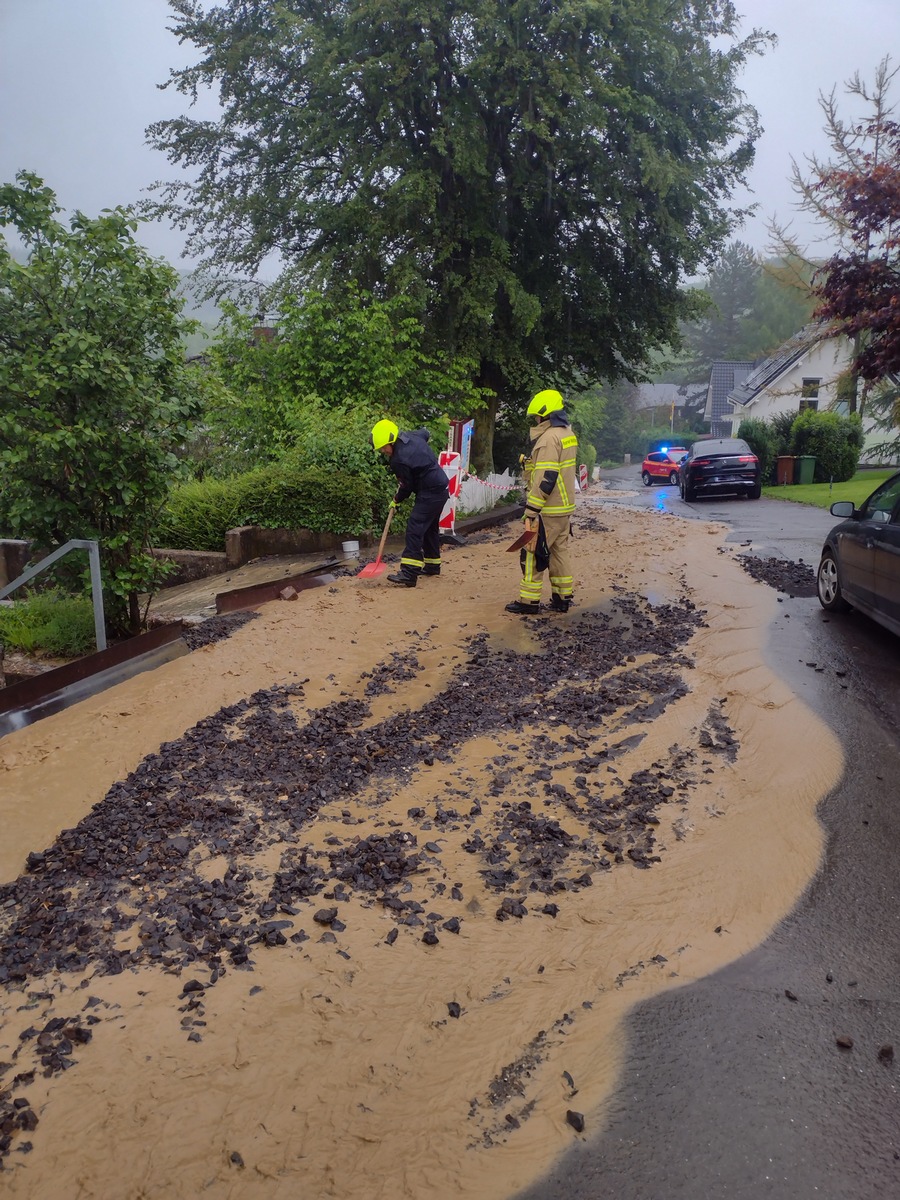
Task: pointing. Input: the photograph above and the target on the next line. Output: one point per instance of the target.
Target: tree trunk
(493, 379)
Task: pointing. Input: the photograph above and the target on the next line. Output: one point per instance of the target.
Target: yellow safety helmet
(545, 403)
(384, 433)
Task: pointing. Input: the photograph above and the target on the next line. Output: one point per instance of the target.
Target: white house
(803, 373)
(806, 372)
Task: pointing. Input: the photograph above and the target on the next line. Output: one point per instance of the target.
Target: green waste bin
(806, 468)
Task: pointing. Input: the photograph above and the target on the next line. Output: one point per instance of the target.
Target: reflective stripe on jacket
(551, 469)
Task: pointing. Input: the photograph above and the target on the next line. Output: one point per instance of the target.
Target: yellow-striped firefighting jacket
(550, 470)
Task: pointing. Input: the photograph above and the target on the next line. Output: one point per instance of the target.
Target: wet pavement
(777, 1076)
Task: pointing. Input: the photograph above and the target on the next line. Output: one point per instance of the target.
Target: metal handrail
(93, 550)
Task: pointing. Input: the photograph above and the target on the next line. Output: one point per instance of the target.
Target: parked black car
(860, 564)
(719, 465)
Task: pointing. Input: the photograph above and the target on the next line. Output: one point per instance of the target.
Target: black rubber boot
(404, 577)
(523, 609)
(431, 570)
(560, 604)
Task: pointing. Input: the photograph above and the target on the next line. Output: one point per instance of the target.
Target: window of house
(809, 389)
(805, 404)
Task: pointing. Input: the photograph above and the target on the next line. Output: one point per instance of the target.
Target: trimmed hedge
(198, 514)
(836, 442)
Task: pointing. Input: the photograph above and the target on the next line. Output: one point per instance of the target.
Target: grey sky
(78, 88)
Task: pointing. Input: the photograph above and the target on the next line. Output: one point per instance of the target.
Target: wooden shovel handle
(387, 526)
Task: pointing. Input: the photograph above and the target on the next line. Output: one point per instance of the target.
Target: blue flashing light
(664, 449)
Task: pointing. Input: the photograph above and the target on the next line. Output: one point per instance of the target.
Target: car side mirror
(880, 517)
(843, 508)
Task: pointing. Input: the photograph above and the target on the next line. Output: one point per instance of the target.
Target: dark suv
(719, 465)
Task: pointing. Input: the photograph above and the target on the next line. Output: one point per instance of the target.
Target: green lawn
(823, 495)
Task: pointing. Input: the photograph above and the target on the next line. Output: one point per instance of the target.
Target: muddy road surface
(360, 900)
(776, 1076)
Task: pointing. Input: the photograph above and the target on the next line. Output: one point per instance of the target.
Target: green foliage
(758, 435)
(781, 432)
(280, 496)
(336, 360)
(96, 397)
(752, 308)
(539, 177)
(835, 441)
(49, 623)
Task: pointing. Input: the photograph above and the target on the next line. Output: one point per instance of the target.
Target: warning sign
(583, 476)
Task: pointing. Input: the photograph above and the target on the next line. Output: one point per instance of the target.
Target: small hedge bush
(760, 438)
(282, 496)
(835, 441)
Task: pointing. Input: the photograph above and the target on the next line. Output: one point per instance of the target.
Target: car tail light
(701, 462)
(748, 458)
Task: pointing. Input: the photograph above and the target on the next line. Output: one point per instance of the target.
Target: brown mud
(353, 902)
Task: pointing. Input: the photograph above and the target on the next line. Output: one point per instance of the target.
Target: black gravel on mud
(792, 578)
(215, 629)
(258, 773)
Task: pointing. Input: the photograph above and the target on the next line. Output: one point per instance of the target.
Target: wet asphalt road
(731, 1089)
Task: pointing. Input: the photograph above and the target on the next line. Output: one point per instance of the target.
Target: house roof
(771, 368)
(723, 378)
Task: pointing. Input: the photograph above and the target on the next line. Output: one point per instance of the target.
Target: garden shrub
(758, 436)
(834, 440)
(281, 496)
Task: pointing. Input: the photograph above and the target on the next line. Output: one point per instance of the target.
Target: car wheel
(828, 585)
(688, 493)
(755, 491)
(645, 476)
(673, 478)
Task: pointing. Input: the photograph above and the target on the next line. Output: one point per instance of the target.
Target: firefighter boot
(560, 604)
(431, 569)
(523, 609)
(406, 577)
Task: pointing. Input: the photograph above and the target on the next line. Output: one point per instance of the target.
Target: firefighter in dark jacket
(416, 466)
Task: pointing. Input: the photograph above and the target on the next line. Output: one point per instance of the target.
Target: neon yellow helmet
(545, 403)
(384, 433)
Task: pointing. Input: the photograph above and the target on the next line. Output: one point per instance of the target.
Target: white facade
(809, 381)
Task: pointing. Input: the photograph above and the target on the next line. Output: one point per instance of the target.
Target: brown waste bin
(784, 470)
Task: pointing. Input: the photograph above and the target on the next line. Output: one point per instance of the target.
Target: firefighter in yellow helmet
(549, 504)
(415, 464)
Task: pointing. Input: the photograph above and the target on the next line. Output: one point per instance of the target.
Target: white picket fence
(478, 495)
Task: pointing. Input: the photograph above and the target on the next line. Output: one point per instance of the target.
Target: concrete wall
(247, 542)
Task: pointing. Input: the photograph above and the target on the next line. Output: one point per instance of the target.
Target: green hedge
(834, 440)
(199, 513)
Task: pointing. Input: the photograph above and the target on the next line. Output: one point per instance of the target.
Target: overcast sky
(78, 87)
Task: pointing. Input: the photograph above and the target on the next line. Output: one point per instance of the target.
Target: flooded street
(357, 901)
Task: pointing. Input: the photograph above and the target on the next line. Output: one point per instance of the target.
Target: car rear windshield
(721, 446)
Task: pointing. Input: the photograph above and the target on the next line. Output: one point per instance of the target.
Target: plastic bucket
(351, 549)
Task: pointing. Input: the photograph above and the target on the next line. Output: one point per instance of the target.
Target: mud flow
(353, 903)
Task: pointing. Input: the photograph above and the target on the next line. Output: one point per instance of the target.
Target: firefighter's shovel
(523, 541)
(374, 569)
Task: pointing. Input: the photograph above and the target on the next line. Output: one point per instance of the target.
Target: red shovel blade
(372, 570)
(522, 540)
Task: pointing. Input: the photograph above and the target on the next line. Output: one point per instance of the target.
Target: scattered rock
(576, 1120)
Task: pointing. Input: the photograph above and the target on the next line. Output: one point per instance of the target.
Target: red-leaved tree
(859, 288)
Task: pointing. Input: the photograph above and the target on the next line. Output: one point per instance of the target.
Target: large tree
(539, 176)
(95, 397)
(855, 146)
(859, 287)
